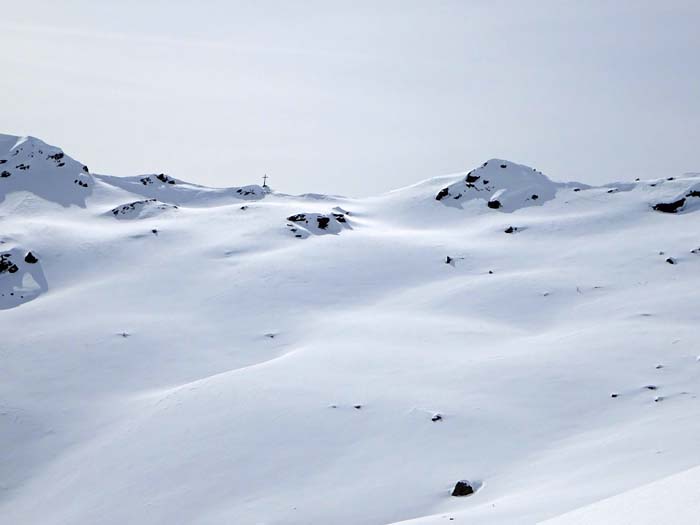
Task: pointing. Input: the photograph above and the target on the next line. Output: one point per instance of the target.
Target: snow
(210, 373)
(675, 499)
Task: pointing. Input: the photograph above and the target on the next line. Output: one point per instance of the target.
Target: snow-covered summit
(502, 185)
(29, 164)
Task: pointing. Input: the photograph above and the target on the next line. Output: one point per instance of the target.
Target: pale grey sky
(356, 97)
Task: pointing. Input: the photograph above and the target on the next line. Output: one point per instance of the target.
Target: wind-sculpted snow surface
(413, 360)
(168, 189)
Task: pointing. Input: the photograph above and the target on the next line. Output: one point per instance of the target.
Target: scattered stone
(504, 166)
(658, 398)
(463, 488)
(490, 272)
(6, 264)
(5, 174)
(614, 394)
(659, 367)
(671, 260)
(154, 231)
(510, 229)
(357, 407)
(436, 417)
(442, 194)
(651, 387)
(30, 258)
(448, 259)
(534, 196)
(494, 204)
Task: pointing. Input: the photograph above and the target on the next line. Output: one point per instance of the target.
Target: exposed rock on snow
(504, 186)
(304, 224)
(463, 488)
(21, 278)
(28, 164)
(688, 201)
(141, 209)
(670, 207)
(168, 189)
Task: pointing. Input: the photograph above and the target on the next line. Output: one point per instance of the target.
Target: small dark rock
(463, 488)
(534, 197)
(30, 258)
(510, 229)
(442, 194)
(614, 394)
(448, 259)
(323, 222)
(472, 178)
(494, 205)
(671, 260)
(504, 166)
(651, 387)
(436, 417)
(357, 407)
(5, 174)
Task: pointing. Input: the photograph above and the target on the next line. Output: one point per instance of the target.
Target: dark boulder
(472, 178)
(30, 258)
(494, 205)
(323, 222)
(669, 207)
(463, 488)
(442, 194)
(510, 229)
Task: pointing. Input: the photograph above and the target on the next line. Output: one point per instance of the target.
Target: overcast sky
(356, 97)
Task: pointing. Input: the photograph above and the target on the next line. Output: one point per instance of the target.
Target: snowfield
(243, 356)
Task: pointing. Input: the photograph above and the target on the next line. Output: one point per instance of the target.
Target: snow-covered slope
(675, 499)
(204, 363)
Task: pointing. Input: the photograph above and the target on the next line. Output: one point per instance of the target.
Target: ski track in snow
(238, 355)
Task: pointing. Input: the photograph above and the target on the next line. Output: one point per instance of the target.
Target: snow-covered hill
(173, 353)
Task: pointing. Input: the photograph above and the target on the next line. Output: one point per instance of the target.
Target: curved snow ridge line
(673, 499)
(165, 393)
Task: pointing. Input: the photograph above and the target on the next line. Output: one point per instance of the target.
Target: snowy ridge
(201, 363)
